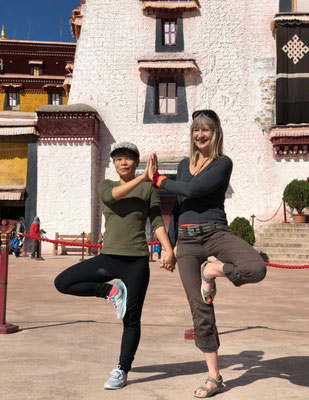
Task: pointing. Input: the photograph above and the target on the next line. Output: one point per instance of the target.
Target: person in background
(16, 245)
(20, 227)
(36, 231)
(199, 223)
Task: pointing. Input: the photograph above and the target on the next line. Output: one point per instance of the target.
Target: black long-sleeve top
(200, 198)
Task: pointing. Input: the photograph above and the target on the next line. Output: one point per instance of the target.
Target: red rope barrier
(21, 247)
(287, 266)
(71, 243)
(266, 220)
(149, 243)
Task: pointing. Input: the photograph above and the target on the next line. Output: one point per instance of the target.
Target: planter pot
(299, 218)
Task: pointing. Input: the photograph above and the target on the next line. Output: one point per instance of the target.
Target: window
(167, 99)
(169, 35)
(299, 6)
(36, 67)
(36, 70)
(1, 66)
(55, 99)
(12, 99)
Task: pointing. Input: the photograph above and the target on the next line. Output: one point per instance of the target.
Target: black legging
(88, 278)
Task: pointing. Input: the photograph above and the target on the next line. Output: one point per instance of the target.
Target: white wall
(64, 189)
(234, 49)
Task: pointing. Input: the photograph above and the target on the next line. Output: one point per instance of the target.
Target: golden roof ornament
(3, 33)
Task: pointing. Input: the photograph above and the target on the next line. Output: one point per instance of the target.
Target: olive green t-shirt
(125, 219)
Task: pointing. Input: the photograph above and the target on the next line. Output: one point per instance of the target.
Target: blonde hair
(216, 144)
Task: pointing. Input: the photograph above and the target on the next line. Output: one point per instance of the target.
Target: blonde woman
(199, 224)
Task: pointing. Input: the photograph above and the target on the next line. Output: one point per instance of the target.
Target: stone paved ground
(67, 345)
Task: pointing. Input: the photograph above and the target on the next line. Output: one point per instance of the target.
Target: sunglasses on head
(208, 113)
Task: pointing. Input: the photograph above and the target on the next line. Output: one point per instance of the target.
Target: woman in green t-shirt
(127, 203)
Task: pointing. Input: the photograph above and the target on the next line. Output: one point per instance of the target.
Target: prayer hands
(168, 260)
(152, 167)
(145, 174)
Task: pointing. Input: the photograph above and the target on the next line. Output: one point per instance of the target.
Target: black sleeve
(173, 224)
(204, 183)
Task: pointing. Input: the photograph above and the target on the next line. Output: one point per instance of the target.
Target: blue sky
(46, 20)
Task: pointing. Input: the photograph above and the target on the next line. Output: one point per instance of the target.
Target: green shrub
(241, 227)
(296, 195)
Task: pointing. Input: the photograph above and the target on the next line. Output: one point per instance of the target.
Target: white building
(145, 66)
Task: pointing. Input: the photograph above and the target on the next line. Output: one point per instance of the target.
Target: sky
(43, 20)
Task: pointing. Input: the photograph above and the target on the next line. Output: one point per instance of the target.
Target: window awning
(167, 65)
(11, 85)
(17, 130)
(49, 85)
(12, 195)
(289, 18)
(290, 131)
(170, 5)
(36, 62)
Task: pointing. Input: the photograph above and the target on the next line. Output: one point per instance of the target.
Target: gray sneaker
(117, 380)
(119, 299)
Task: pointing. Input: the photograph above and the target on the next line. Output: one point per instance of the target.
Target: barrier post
(151, 254)
(83, 248)
(252, 221)
(40, 258)
(25, 247)
(4, 259)
(284, 212)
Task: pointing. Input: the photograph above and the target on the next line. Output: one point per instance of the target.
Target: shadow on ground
(293, 369)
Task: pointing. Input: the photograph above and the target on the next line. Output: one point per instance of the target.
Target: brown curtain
(292, 84)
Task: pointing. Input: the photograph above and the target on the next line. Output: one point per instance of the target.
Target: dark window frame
(50, 97)
(6, 105)
(286, 6)
(37, 66)
(160, 47)
(151, 115)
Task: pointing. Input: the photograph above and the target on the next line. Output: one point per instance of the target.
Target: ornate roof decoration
(76, 20)
(290, 141)
(2, 33)
(67, 83)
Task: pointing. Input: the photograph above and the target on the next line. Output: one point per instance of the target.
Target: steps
(284, 243)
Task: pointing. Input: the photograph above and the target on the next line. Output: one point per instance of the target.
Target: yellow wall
(2, 100)
(29, 102)
(13, 164)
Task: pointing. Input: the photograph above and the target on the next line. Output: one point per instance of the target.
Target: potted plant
(241, 227)
(296, 195)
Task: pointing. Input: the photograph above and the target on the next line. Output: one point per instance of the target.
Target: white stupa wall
(234, 49)
(64, 189)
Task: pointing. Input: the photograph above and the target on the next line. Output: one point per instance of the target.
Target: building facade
(248, 61)
(32, 74)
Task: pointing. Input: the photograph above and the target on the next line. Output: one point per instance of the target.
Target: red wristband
(155, 178)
